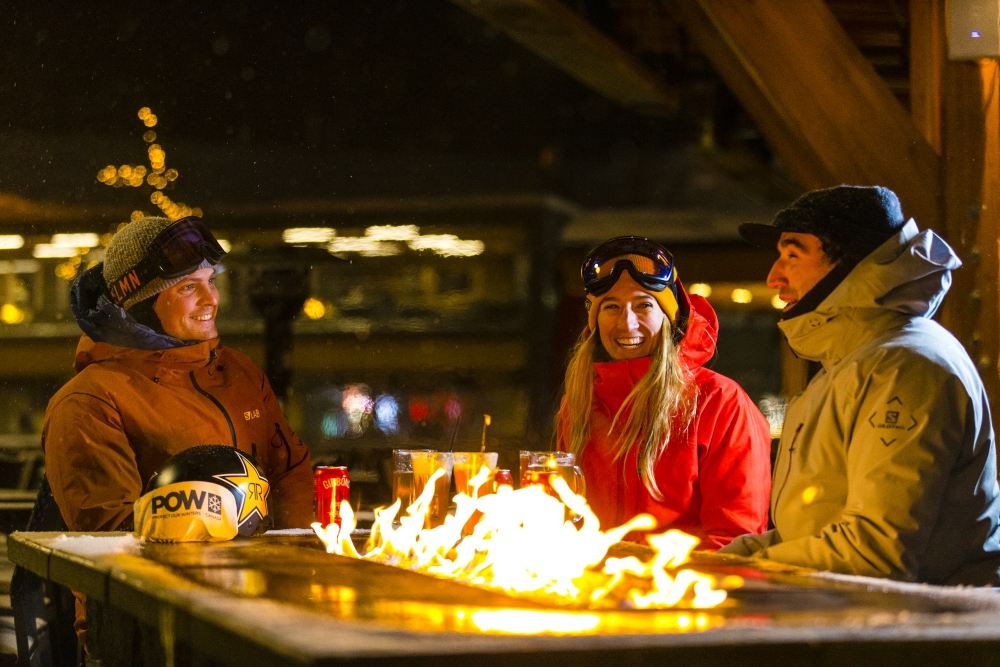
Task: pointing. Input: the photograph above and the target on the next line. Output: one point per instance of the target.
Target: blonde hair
(660, 406)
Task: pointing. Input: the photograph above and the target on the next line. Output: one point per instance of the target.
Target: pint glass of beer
(424, 465)
(403, 488)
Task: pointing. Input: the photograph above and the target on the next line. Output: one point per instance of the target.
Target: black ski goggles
(175, 252)
(649, 264)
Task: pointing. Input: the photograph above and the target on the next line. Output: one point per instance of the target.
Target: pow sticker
(892, 418)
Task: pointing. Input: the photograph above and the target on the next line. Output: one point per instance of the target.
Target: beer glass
(403, 488)
(424, 465)
(542, 465)
(467, 466)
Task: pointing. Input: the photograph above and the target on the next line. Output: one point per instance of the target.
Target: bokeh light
(387, 414)
(314, 309)
(11, 314)
(11, 241)
(741, 295)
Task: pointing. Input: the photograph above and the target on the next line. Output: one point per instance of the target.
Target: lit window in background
(11, 241)
(447, 245)
(700, 289)
(392, 232)
(46, 250)
(19, 266)
(387, 414)
(384, 240)
(308, 235)
(741, 295)
(314, 309)
(777, 302)
(367, 247)
(87, 240)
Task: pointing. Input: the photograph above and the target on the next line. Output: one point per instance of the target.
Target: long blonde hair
(660, 406)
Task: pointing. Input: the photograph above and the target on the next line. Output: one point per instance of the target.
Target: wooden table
(281, 600)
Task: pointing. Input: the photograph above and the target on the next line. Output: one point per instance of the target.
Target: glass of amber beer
(468, 465)
(541, 466)
(403, 488)
(424, 465)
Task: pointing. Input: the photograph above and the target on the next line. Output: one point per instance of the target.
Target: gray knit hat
(128, 247)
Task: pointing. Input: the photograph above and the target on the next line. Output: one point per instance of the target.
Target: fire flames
(524, 545)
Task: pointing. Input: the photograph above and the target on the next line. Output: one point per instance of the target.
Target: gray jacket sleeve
(904, 425)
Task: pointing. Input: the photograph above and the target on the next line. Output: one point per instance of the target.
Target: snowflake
(214, 503)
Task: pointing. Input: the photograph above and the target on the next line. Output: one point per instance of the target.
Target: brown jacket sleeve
(89, 463)
(288, 469)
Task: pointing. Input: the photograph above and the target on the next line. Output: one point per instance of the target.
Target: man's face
(800, 266)
(630, 320)
(187, 310)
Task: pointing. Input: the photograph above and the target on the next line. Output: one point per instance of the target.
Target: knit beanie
(128, 248)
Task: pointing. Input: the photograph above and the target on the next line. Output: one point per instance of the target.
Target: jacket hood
(904, 278)
(104, 322)
(696, 349)
(193, 356)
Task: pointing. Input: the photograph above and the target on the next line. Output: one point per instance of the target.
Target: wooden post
(971, 169)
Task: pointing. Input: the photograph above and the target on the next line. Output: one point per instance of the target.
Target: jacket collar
(906, 277)
(189, 357)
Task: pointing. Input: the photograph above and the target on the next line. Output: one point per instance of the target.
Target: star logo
(254, 491)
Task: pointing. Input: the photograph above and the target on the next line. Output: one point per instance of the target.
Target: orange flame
(524, 545)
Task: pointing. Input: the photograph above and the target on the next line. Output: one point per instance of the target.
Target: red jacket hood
(89, 352)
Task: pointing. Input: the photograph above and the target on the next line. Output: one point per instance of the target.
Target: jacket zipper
(791, 448)
(232, 431)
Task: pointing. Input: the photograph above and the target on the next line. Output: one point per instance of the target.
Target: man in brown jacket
(152, 380)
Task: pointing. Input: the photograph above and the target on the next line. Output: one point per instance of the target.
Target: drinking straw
(486, 422)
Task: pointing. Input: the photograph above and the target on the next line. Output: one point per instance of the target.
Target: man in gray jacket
(887, 461)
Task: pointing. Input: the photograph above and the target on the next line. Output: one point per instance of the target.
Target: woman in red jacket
(654, 431)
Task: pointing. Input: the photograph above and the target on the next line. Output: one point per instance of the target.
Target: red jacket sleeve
(734, 475)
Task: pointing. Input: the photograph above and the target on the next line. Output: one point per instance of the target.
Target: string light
(157, 175)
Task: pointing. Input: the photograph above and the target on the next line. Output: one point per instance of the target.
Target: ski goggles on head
(175, 252)
(649, 264)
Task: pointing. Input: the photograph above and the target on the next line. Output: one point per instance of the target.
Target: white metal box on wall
(973, 29)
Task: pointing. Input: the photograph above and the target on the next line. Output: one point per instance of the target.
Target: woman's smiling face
(630, 320)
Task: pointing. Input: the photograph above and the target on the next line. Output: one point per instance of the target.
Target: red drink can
(502, 476)
(333, 484)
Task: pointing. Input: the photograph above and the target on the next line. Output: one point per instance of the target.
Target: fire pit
(281, 599)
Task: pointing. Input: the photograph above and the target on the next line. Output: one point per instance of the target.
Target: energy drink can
(333, 484)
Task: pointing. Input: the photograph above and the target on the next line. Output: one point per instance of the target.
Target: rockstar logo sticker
(255, 489)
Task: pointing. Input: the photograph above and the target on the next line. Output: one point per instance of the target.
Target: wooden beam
(559, 35)
(815, 97)
(971, 153)
(926, 57)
